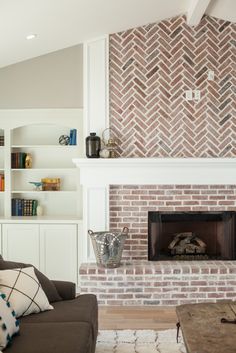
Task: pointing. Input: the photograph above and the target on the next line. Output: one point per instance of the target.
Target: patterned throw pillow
(23, 291)
(9, 325)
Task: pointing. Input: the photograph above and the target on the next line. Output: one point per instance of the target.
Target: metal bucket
(108, 247)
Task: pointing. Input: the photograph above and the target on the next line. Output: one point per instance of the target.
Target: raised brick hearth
(160, 283)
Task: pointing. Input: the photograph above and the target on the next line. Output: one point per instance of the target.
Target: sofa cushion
(66, 290)
(83, 308)
(58, 337)
(47, 285)
(23, 291)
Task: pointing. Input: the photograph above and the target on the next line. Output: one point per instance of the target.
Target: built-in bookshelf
(36, 133)
(2, 172)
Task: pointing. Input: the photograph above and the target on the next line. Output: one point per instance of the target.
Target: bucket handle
(124, 230)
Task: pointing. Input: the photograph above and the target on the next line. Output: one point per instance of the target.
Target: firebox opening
(191, 235)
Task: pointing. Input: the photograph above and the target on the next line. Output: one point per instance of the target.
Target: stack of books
(1, 140)
(18, 160)
(2, 182)
(23, 207)
(51, 184)
(73, 133)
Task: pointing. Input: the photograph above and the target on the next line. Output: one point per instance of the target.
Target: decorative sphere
(64, 140)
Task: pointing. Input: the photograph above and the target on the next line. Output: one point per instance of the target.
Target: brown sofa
(71, 327)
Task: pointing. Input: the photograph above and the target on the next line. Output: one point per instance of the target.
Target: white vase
(39, 210)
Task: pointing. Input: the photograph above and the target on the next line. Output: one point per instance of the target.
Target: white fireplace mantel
(156, 171)
(97, 174)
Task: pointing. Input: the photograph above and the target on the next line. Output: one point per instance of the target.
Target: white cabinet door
(58, 251)
(21, 243)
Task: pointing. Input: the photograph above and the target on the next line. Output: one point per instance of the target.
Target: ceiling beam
(196, 10)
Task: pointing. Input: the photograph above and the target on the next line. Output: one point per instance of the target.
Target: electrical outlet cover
(197, 95)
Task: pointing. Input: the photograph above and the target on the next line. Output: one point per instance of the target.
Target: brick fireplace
(188, 166)
(139, 281)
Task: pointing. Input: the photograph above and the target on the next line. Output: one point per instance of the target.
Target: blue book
(71, 136)
(17, 205)
(74, 133)
(20, 208)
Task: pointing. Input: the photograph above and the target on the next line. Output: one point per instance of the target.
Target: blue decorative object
(37, 184)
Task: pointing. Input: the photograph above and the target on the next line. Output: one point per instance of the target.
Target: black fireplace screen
(191, 235)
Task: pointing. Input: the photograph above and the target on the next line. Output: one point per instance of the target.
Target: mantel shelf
(156, 171)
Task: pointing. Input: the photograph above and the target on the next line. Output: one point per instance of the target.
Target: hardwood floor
(137, 318)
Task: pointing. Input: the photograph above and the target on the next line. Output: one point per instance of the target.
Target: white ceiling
(64, 23)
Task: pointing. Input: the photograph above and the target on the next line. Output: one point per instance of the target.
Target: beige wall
(50, 81)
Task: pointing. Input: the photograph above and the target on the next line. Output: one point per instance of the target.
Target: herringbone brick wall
(151, 67)
(129, 206)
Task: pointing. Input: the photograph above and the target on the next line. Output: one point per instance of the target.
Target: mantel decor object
(108, 247)
(110, 145)
(93, 145)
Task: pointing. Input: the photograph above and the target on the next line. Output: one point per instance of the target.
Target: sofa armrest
(67, 290)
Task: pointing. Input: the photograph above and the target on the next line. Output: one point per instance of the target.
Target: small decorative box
(51, 184)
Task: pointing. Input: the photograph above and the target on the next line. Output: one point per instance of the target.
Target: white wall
(54, 80)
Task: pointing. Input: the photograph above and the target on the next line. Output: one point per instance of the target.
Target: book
(35, 204)
(18, 160)
(20, 207)
(23, 207)
(13, 207)
(73, 134)
(70, 137)
(2, 182)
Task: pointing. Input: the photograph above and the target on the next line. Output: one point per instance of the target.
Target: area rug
(139, 341)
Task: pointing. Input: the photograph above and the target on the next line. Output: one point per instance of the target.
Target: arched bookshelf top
(45, 134)
(16, 118)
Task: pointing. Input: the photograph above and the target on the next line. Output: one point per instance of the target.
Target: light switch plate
(211, 75)
(189, 95)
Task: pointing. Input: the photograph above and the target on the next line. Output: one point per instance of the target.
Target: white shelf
(42, 169)
(154, 171)
(47, 146)
(43, 192)
(41, 219)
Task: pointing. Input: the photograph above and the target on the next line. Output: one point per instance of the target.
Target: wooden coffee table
(202, 329)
